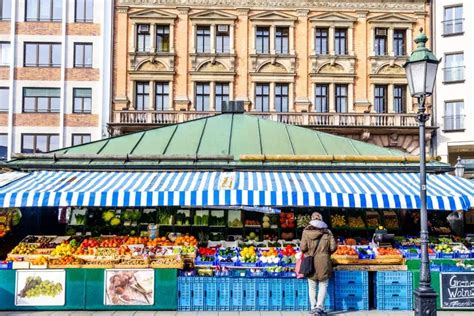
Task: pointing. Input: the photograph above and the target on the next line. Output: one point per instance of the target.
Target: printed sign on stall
(40, 288)
(129, 287)
(457, 290)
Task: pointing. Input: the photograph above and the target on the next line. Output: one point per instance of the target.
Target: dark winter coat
(322, 256)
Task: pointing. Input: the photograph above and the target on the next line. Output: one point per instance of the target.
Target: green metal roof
(223, 139)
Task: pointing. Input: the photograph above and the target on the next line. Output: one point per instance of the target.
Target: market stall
(220, 203)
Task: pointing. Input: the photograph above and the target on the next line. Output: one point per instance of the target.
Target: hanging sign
(457, 290)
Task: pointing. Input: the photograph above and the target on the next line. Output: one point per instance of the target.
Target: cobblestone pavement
(207, 313)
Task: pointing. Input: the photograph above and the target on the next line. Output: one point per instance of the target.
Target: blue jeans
(322, 291)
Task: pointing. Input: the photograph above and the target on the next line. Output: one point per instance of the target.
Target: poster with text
(129, 286)
(40, 288)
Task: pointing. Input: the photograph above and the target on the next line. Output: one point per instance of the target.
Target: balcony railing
(132, 117)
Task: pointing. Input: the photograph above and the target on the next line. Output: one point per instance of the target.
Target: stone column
(243, 45)
(332, 97)
(272, 97)
(213, 38)
(272, 39)
(151, 95)
(303, 63)
(212, 96)
(390, 48)
(124, 43)
(231, 39)
(172, 39)
(390, 105)
(331, 40)
(350, 41)
(182, 79)
(292, 40)
(153, 38)
(350, 98)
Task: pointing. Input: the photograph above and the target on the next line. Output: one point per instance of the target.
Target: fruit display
(287, 220)
(345, 251)
(253, 236)
(444, 248)
(356, 222)
(289, 255)
(338, 220)
(388, 252)
(391, 220)
(269, 256)
(36, 287)
(186, 241)
(252, 223)
(248, 255)
(64, 249)
(350, 242)
(69, 261)
(266, 222)
(373, 219)
(40, 261)
(24, 249)
(302, 220)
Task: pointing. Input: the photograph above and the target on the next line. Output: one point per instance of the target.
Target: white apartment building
(55, 73)
(454, 99)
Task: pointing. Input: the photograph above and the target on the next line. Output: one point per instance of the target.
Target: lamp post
(421, 70)
(459, 168)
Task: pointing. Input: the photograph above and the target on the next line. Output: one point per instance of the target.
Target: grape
(38, 287)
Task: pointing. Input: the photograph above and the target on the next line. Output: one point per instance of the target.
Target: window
(282, 36)
(84, 11)
(454, 67)
(44, 10)
(281, 97)
(321, 102)
(262, 97)
(142, 95)
(340, 41)
(380, 101)
(143, 37)
(4, 98)
(380, 42)
(222, 39)
(162, 38)
(453, 20)
(161, 96)
(41, 100)
(5, 10)
(202, 96)
(3, 146)
(83, 55)
(262, 38)
(454, 117)
(42, 55)
(79, 139)
(221, 95)
(341, 98)
(399, 99)
(39, 143)
(82, 102)
(322, 41)
(4, 53)
(203, 39)
(399, 42)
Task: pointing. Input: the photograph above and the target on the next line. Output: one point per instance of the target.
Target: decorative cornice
(414, 5)
(302, 12)
(182, 10)
(121, 9)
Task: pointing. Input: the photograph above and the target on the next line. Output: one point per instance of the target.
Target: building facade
(334, 66)
(454, 87)
(55, 73)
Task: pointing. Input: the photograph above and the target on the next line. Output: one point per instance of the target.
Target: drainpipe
(11, 79)
(63, 75)
(434, 99)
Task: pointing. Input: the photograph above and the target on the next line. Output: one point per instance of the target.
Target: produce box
(133, 263)
(167, 262)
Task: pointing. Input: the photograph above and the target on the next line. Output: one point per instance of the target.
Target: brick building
(334, 66)
(55, 73)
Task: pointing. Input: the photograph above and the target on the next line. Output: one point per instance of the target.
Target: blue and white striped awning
(277, 189)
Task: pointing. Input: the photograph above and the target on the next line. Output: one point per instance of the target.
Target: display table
(85, 291)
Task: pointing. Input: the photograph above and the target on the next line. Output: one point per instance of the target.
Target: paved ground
(131, 313)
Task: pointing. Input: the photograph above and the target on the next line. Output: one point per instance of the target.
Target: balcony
(159, 118)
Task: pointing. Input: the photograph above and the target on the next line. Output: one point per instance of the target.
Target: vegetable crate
(394, 290)
(250, 294)
(352, 290)
(184, 293)
(224, 293)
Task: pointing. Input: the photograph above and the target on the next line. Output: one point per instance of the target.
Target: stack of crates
(263, 295)
(184, 293)
(250, 294)
(276, 294)
(210, 294)
(237, 294)
(394, 290)
(352, 290)
(224, 294)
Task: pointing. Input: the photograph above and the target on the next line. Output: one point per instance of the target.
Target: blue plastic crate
(184, 294)
(351, 277)
(355, 304)
(352, 290)
(302, 297)
(276, 294)
(210, 290)
(443, 255)
(394, 277)
(393, 291)
(402, 304)
(224, 293)
(250, 294)
(263, 295)
(289, 294)
(237, 294)
(459, 255)
(197, 288)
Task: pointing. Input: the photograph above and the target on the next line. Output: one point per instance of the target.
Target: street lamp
(421, 70)
(459, 168)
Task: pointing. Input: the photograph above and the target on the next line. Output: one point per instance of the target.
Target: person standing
(318, 241)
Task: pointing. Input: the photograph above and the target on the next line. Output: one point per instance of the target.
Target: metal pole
(425, 296)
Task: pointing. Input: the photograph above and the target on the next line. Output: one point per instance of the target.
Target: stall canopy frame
(239, 188)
